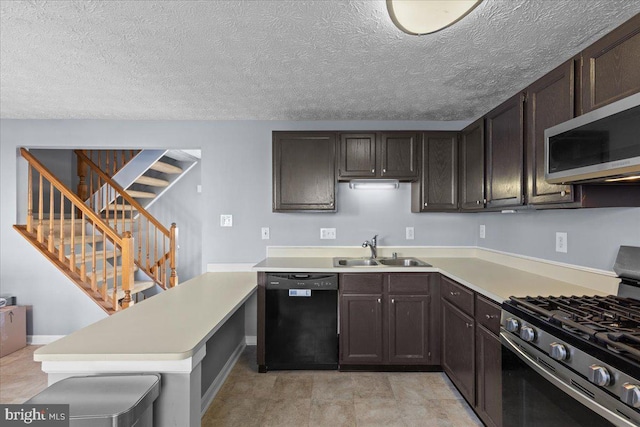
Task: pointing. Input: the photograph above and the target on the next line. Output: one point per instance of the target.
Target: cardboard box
(13, 329)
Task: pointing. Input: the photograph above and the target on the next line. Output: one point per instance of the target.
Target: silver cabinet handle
(393, 301)
(384, 171)
(425, 203)
(491, 316)
(454, 294)
(373, 171)
(477, 202)
(469, 325)
(379, 300)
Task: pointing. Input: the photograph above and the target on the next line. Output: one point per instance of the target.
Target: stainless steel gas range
(574, 360)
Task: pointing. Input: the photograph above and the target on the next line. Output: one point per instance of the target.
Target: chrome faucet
(373, 245)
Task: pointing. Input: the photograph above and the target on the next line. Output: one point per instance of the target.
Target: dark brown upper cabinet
(550, 101)
(437, 187)
(378, 155)
(357, 155)
(505, 154)
(610, 69)
(304, 171)
(472, 197)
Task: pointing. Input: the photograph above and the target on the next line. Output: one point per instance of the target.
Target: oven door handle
(577, 395)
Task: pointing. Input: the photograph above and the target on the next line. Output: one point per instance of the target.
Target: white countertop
(493, 280)
(169, 326)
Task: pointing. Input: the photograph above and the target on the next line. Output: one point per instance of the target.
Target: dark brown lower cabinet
(458, 349)
(409, 329)
(488, 377)
(389, 319)
(361, 331)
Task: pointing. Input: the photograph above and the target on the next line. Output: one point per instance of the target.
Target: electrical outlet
(483, 231)
(561, 242)
(409, 233)
(327, 233)
(226, 220)
(199, 188)
(265, 233)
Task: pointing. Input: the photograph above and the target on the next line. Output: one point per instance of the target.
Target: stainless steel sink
(403, 262)
(354, 262)
(381, 262)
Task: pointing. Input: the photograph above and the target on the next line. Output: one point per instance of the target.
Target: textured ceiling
(286, 60)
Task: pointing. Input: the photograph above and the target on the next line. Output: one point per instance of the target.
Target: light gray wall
(235, 178)
(593, 235)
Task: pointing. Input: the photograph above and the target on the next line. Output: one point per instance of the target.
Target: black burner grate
(608, 321)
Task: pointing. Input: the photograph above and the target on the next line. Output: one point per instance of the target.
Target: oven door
(534, 393)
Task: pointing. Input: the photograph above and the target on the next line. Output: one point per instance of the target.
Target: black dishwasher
(301, 321)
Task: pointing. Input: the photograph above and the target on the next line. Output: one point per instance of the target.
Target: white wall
(236, 179)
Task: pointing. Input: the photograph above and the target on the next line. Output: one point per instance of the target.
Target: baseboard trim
(42, 339)
(215, 386)
(251, 340)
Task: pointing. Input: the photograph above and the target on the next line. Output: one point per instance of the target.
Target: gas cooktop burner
(609, 322)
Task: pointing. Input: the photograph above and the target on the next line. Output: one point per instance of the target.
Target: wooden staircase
(101, 242)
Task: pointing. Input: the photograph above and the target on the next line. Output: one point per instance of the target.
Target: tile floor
(296, 398)
(331, 398)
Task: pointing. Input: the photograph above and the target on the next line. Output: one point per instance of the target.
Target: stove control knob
(558, 351)
(527, 333)
(631, 395)
(599, 375)
(512, 324)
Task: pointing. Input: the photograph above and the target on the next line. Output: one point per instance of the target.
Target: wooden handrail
(122, 192)
(79, 203)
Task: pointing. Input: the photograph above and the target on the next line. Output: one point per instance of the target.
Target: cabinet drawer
(458, 295)
(360, 283)
(488, 314)
(409, 283)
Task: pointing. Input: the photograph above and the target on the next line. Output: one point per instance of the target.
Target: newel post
(173, 278)
(83, 188)
(127, 268)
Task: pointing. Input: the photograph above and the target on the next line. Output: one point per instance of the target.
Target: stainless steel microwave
(600, 146)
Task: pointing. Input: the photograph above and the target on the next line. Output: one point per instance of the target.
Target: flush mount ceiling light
(420, 17)
(374, 184)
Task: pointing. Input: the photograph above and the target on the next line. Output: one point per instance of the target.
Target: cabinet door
(361, 329)
(488, 377)
(437, 188)
(458, 349)
(550, 101)
(304, 171)
(409, 335)
(472, 167)
(357, 155)
(399, 155)
(505, 149)
(610, 69)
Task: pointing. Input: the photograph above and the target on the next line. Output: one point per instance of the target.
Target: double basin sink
(380, 262)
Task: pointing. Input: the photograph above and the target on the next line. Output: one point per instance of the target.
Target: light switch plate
(226, 220)
(409, 233)
(483, 231)
(265, 233)
(327, 233)
(561, 242)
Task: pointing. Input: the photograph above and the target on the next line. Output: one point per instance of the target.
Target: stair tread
(99, 255)
(119, 206)
(154, 182)
(110, 273)
(88, 238)
(141, 194)
(163, 167)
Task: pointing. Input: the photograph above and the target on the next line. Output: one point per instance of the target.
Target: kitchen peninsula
(191, 335)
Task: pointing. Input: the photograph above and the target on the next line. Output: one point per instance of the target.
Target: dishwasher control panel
(302, 281)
